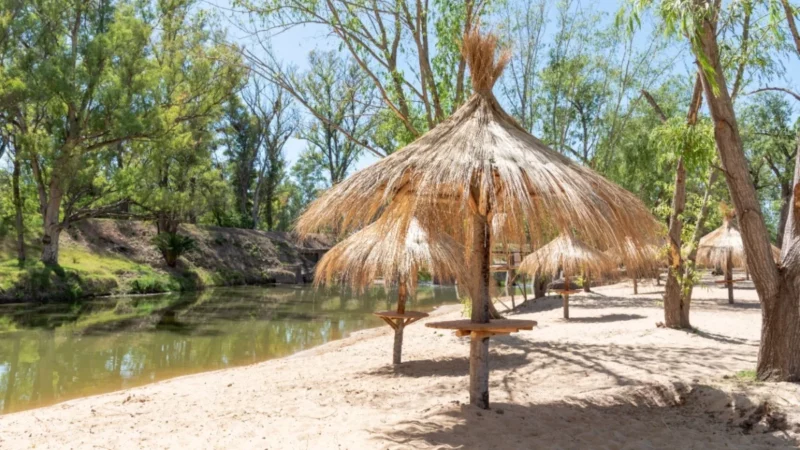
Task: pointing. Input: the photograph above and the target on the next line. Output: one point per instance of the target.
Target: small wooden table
(566, 292)
(466, 327)
(731, 281)
(407, 317)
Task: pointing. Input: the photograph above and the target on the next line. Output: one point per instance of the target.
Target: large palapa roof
(480, 161)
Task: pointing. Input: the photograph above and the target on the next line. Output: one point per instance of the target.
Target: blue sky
(293, 46)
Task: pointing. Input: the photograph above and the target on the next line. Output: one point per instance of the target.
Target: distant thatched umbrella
(472, 166)
(639, 260)
(381, 251)
(724, 248)
(570, 255)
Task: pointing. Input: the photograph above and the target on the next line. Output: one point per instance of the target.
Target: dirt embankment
(104, 257)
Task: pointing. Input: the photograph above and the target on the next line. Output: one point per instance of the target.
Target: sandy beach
(609, 378)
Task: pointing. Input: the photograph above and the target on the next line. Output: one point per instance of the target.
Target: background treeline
(151, 110)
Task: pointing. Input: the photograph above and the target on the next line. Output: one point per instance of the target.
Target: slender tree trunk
(479, 345)
(779, 290)
(635, 286)
(19, 218)
(673, 303)
(689, 265)
(587, 287)
(786, 198)
(52, 225)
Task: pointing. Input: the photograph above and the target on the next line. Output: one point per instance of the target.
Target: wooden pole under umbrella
(397, 353)
(479, 342)
(729, 276)
(635, 285)
(566, 295)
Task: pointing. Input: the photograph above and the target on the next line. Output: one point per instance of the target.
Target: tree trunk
(52, 225)
(635, 286)
(539, 286)
(19, 218)
(587, 287)
(673, 303)
(479, 345)
(779, 290)
(786, 198)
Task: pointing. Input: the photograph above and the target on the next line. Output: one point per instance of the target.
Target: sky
(293, 46)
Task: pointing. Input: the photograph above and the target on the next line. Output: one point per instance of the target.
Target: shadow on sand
(644, 417)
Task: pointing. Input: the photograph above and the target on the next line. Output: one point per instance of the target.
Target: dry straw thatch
(569, 254)
(378, 251)
(476, 164)
(481, 161)
(715, 247)
(639, 260)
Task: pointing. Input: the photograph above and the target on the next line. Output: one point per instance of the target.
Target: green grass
(746, 375)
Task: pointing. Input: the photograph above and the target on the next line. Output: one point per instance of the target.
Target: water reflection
(50, 353)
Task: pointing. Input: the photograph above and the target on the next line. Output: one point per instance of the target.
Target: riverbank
(608, 378)
(114, 257)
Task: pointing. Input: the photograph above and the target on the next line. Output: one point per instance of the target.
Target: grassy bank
(107, 257)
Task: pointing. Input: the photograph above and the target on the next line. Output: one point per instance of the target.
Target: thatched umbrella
(570, 255)
(724, 248)
(378, 251)
(478, 163)
(639, 260)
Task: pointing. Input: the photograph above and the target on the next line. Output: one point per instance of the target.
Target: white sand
(608, 378)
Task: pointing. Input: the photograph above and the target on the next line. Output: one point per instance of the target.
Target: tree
(768, 136)
(195, 79)
(344, 99)
(377, 35)
(778, 287)
(277, 121)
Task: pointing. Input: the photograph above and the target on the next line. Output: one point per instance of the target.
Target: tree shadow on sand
(447, 367)
(643, 417)
(607, 318)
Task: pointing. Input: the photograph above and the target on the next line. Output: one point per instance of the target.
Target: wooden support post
(524, 288)
(480, 266)
(566, 295)
(586, 282)
(397, 352)
(729, 276)
(635, 286)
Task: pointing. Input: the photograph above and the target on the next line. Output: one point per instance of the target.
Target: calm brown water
(52, 353)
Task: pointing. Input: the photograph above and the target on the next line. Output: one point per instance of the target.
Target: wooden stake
(479, 344)
(729, 276)
(566, 296)
(397, 352)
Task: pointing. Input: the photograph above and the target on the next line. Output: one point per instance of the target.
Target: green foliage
(173, 245)
(746, 375)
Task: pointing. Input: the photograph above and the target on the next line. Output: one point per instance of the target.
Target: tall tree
(343, 97)
(778, 287)
(277, 121)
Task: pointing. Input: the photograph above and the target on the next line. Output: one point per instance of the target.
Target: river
(54, 352)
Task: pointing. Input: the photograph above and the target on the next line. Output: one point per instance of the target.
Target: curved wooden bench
(466, 327)
(407, 317)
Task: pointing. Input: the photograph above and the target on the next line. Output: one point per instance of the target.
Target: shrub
(172, 246)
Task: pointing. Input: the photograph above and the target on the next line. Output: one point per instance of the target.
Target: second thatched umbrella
(379, 251)
(472, 166)
(724, 248)
(571, 256)
(639, 260)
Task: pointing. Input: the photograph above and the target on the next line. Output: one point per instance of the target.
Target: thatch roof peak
(485, 65)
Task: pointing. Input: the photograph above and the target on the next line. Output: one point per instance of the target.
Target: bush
(172, 246)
